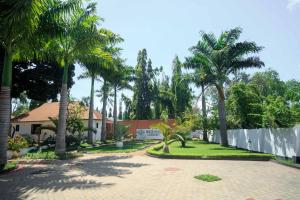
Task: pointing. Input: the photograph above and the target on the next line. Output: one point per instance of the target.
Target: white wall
(25, 129)
(282, 141)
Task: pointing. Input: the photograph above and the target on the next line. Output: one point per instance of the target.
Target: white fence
(282, 141)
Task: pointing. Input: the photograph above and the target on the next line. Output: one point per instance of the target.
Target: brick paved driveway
(137, 176)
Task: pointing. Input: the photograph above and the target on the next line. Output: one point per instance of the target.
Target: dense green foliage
(263, 102)
(16, 143)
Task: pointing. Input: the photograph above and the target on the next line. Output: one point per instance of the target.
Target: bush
(30, 139)
(17, 143)
(72, 140)
(49, 141)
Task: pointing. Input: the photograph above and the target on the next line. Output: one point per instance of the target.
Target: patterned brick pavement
(139, 177)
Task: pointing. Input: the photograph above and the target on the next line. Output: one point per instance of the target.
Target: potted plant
(121, 131)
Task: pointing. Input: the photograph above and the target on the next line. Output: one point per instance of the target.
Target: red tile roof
(47, 110)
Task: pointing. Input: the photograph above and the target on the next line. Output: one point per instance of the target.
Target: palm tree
(122, 77)
(200, 79)
(19, 23)
(79, 38)
(92, 72)
(105, 95)
(221, 57)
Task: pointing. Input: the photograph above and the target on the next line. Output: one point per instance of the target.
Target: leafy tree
(143, 87)
(166, 97)
(244, 106)
(180, 89)
(268, 83)
(129, 111)
(156, 100)
(31, 76)
(276, 113)
(221, 57)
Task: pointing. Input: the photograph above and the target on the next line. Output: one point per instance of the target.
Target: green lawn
(49, 154)
(8, 167)
(129, 146)
(290, 163)
(208, 178)
(202, 150)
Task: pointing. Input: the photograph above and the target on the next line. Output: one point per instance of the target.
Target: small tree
(165, 129)
(185, 125)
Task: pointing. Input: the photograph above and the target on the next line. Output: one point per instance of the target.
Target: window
(17, 128)
(34, 128)
(97, 125)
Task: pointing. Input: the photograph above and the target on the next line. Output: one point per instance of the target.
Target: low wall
(283, 142)
(134, 125)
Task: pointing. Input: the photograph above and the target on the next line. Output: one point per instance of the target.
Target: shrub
(49, 141)
(72, 140)
(30, 139)
(121, 132)
(17, 143)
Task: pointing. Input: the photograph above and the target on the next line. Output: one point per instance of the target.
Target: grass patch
(287, 162)
(129, 146)
(49, 154)
(203, 150)
(8, 167)
(208, 178)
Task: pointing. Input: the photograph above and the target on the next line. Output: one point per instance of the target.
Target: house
(28, 123)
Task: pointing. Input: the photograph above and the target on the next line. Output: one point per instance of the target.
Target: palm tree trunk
(91, 113)
(5, 105)
(222, 115)
(60, 146)
(115, 110)
(204, 114)
(103, 127)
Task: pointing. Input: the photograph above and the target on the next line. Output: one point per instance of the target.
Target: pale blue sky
(169, 27)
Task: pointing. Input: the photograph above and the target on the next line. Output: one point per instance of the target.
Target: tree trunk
(115, 110)
(222, 115)
(205, 138)
(103, 127)
(91, 113)
(60, 146)
(5, 105)
(166, 148)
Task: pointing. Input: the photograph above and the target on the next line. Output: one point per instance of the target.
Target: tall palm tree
(92, 72)
(222, 56)
(19, 21)
(122, 76)
(200, 79)
(79, 38)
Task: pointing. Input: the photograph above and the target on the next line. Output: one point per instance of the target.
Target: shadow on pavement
(64, 175)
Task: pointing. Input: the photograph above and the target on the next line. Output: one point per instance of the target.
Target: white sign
(148, 134)
(196, 134)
